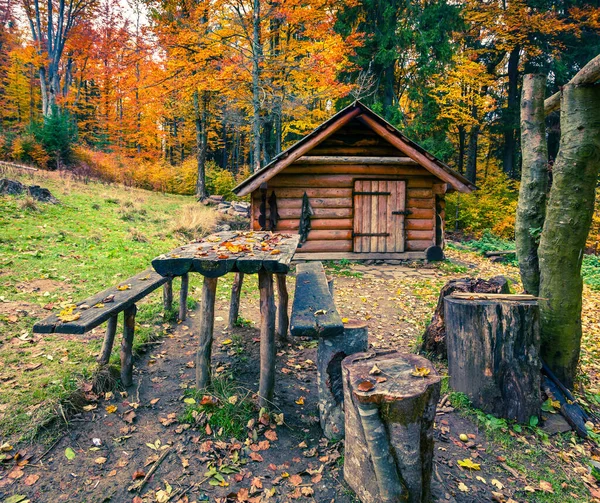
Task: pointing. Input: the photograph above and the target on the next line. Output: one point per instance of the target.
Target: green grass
(227, 410)
(55, 254)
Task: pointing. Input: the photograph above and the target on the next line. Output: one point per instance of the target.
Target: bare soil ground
(118, 438)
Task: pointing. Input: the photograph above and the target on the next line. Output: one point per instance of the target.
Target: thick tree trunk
(493, 352)
(471, 173)
(531, 208)
(568, 218)
(462, 138)
(434, 338)
(389, 416)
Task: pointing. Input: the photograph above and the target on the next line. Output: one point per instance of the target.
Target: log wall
(330, 186)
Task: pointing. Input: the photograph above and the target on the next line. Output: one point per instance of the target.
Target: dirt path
(270, 462)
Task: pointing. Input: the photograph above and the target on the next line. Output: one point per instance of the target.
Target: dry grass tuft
(194, 221)
(137, 236)
(29, 203)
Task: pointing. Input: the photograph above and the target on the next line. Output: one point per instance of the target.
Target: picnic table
(242, 252)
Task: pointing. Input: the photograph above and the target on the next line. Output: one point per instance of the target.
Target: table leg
(109, 339)
(234, 306)
(283, 320)
(207, 322)
(267, 339)
(183, 295)
(127, 345)
(168, 295)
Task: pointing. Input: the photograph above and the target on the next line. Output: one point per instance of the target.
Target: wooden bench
(106, 306)
(314, 315)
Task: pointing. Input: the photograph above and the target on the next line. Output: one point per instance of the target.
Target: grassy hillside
(51, 255)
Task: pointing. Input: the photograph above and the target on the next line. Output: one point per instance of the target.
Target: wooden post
(207, 322)
(389, 426)
(168, 295)
(283, 319)
(183, 294)
(234, 306)
(267, 339)
(330, 353)
(493, 352)
(109, 339)
(127, 345)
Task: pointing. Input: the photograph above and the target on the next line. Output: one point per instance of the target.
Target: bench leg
(267, 339)
(283, 320)
(127, 346)
(234, 306)
(207, 322)
(168, 295)
(183, 294)
(109, 339)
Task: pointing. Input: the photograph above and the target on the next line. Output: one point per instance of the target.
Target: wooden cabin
(372, 193)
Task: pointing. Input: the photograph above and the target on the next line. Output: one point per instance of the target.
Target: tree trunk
(531, 208)
(568, 218)
(256, 60)
(471, 173)
(201, 118)
(511, 112)
(434, 338)
(389, 426)
(493, 352)
(462, 137)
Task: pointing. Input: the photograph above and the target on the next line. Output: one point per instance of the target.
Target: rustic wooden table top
(231, 251)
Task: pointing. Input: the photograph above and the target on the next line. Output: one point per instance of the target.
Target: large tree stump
(434, 338)
(389, 426)
(330, 353)
(493, 352)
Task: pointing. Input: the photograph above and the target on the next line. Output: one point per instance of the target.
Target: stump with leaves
(390, 404)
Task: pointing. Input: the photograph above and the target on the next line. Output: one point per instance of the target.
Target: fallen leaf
(69, 453)
(100, 460)
(31, 479)
(546, 487)
(122, 288)
(421, 372)
(375, 370)
(111, 409)
(271, 435)
(300, 401)
(468, 463)
(498, 484)
(365, 386)
(462, 487)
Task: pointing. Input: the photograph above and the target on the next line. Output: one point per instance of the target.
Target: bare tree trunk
(471, 173)
(201, 118)
(534, 181)
(256, 59)
(510, 113)
(568, 218)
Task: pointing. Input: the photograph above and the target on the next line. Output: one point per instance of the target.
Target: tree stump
(330, 353)
(389, 426)
(434, 338)
(493, 352)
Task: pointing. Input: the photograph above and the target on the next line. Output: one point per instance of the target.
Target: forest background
(190, 96)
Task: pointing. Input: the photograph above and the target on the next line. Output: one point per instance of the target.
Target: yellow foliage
(493, 206)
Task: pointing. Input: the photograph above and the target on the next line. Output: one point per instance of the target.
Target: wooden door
(379, 216)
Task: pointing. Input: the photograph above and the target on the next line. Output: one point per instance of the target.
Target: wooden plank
(419, 193)
(366, 217)
(316, 223)
(339, 181)
(293, 213)
(412, 255)
(317, 202)
(262, 176)
(381, 226)
(421, 212)
(325, 246)
(336, 159)
(323, 192)
(412, 235)
(375, 150)
(416, 155)
(363, 169)
(420, 203)
(313, 312)
(330, 234)
(358, 202)
(141, 285)
(418, 245)
(419, 224)
(391, 223)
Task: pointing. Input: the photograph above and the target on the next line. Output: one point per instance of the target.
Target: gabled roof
(380, 126)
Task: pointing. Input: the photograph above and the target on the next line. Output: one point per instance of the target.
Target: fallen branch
(138, 486)
(499, 253)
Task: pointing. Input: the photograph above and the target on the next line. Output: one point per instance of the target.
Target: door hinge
(401, 212)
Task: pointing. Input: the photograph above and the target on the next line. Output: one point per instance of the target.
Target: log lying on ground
(434, 338)
(389, 426)
(493, 352)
